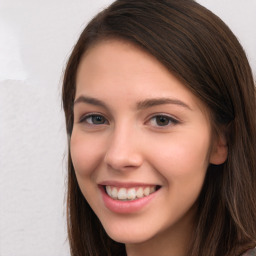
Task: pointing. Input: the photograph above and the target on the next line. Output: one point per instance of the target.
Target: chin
(128, 237)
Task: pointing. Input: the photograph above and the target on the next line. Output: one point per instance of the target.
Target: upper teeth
(129, 193)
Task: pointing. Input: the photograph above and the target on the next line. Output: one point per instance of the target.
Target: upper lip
(126, 184)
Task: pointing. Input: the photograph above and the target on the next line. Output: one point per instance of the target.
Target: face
(141, 144)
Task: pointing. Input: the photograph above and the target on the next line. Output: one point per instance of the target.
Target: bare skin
(137, 127)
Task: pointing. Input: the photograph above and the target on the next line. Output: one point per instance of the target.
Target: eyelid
(83, 118)
(172, 119)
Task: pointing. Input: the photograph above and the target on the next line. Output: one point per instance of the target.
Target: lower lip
(132, 206)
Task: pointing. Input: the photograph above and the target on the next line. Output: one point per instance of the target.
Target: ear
(219, 151)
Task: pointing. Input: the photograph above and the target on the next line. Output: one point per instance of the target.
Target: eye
(94, 119)
(162, 120)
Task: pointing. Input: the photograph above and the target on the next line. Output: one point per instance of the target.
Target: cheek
(183, 163)
(184, 155)
(86, 153)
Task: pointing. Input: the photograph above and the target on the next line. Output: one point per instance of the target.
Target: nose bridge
(123, 149)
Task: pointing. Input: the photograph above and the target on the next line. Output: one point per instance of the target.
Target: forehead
(116, 66)
(115, 59)
(110, 53)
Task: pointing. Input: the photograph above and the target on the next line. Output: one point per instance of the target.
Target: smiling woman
(114, 146)
(160, 105)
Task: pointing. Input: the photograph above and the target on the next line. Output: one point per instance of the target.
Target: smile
(128, 198)
(129, 194)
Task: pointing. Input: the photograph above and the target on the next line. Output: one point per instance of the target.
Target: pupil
(97, 119)
(161, 121)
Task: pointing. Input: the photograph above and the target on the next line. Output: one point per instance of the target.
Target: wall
(36, 38)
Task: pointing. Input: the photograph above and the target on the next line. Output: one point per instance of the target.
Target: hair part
(202, 52)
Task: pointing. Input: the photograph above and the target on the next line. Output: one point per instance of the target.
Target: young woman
(159, 102)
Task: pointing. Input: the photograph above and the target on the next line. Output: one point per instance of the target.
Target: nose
(124, 149)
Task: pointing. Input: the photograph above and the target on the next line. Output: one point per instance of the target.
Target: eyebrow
(89, 100)
(161, 101)
(147, 103)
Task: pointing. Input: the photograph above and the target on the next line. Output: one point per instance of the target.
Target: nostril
(121, 161)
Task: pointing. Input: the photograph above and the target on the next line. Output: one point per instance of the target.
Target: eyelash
(152, 120)
(171, 121)
(85, 119)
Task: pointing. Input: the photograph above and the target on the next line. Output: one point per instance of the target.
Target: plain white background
(36, 38)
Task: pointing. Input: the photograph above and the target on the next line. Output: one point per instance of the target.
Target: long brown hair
(201, 51)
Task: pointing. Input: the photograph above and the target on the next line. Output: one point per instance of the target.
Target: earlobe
(219, 151)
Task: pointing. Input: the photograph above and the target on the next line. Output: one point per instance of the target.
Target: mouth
(128, 198)
(131, 193)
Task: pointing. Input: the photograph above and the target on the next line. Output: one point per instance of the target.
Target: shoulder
(251, 252)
